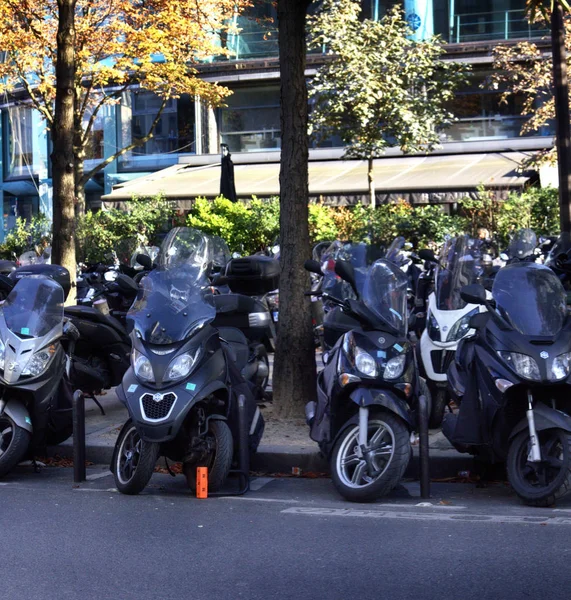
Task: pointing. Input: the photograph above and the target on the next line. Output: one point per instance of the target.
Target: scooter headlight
(524, 365)
(39, 361)
(461, 327)
(433, 328)
(560, 366)
(181, 366)
(142, 366)
(395, 367)
(365, 363)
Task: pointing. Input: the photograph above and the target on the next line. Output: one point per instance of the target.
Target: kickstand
(98, 403)
(171, 473)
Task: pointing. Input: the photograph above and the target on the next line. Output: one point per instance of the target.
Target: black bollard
(423, 447)
(244, 450)
(79, 473)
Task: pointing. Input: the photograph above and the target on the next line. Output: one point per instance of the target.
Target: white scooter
(448, 316)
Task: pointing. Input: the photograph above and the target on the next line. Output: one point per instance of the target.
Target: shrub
(27, 235)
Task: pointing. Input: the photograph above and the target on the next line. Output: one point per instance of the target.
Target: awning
(435, 173)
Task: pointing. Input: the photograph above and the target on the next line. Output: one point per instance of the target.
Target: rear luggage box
(253, 275)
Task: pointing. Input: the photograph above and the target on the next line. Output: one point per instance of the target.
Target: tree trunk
(63, 135)
(371, 180)
(561, 115)
(294, 381)
(79, 186)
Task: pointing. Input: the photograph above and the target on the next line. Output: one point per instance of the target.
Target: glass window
(173, 134)
(94, 146)
(256, 33)
(251, 120)
(482, 116)
(19, 146)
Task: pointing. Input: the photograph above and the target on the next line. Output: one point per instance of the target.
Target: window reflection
(173, 134)
(19, 126)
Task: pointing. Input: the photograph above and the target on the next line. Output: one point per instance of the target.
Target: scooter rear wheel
(349, 470)
(14, 443)
(543, 483)
(134, 462)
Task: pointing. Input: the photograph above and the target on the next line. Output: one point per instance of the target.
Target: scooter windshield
(459, 265)
(34, 306)
(531, 298)
(185, 246)
(150, 251)
(356, 254)
(561, 246)
(385, 294)
(171, 303)
(522, 245)
(395, 252)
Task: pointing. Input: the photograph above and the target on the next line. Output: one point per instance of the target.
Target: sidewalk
(286, 444)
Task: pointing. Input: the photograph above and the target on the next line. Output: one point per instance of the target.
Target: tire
(438, 406)
(134, 461)
(14, 443)
(263, 358)
(367, 488)
(541, 484)
(218, 463)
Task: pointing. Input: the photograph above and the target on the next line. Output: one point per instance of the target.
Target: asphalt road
(288, 538)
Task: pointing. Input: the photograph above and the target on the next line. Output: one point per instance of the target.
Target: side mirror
(346, 271)
(426, 254)
(110, 275)
(312, 266)
(473, 294)
(145, 261)
(70, 331)
(126, 284)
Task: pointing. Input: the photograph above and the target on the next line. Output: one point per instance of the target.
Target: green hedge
(253, 225)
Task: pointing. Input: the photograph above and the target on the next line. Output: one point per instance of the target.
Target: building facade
(250, 123)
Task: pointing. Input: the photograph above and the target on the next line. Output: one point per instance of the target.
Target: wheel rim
(6, 435)
(542, 475)
(351, 464)
(129, 455)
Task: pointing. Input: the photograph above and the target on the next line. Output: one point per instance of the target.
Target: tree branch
(42, 108)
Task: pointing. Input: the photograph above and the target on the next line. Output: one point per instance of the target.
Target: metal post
(244, 450)
(79, 473)
(423, 447)
(507, 25)
(457, 29)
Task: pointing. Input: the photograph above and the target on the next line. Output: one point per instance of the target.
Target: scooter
(367, 393)
(35, 391)
(512, 382)
(182, 388)
(447, 316)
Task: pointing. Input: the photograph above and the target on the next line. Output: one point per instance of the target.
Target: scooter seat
(92, 314)
(236, 344)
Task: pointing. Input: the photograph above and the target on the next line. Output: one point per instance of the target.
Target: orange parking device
(202, 482)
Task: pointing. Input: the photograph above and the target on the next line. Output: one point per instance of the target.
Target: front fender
(19, 414)
(545, 418)
(385, 398)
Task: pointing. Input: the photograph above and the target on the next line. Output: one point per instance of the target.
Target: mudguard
(545, 418)
(384, 398)
(19, 414)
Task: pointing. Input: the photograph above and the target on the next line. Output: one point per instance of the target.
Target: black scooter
(512, 382)
(183, 386)
(367, 393)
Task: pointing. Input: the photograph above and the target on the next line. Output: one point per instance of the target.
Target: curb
(444, 463)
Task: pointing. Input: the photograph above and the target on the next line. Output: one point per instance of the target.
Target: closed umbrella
(227, 184)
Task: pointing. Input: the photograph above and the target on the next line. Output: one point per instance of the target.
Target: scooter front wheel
(134, 462)
(14, 443)
(360, 480)
(541, 483)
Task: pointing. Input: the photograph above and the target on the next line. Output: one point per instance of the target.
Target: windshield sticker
(396, 313)
(25, 331)
(398, 347)
(132, 388)
(381, 354)
(191, 386)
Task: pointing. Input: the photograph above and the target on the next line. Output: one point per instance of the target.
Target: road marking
(95, 476)
(382, 514)
(108, 491)
(259, 482)
(4, 484)
(282, 500)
